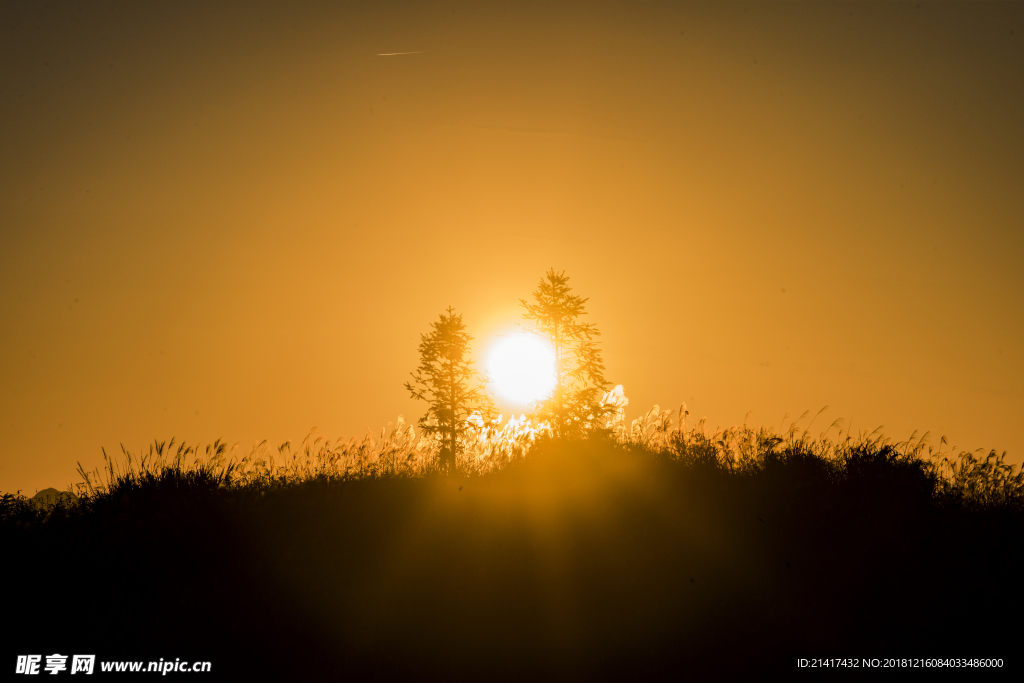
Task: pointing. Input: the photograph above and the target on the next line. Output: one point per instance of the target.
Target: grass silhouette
(648, 551)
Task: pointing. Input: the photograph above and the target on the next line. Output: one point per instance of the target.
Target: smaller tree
(447, 381)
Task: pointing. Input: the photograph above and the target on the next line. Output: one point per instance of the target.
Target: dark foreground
(585, 562)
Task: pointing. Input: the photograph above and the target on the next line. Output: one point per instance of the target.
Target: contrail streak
(392, 54)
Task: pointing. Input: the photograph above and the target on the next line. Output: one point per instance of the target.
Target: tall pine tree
(575, 405)
(447, 381)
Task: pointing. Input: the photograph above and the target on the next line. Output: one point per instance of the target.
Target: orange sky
(234, 220)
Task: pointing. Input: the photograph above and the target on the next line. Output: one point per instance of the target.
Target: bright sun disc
(522, 369)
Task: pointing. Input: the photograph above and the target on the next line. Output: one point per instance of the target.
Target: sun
(522, 368)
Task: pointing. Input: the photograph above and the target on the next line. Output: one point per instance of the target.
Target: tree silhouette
(444, 380)
(575, 405)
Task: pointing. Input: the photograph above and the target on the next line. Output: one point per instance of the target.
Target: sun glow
(522, 368)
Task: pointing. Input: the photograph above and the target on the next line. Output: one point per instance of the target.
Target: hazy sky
(234, 219)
